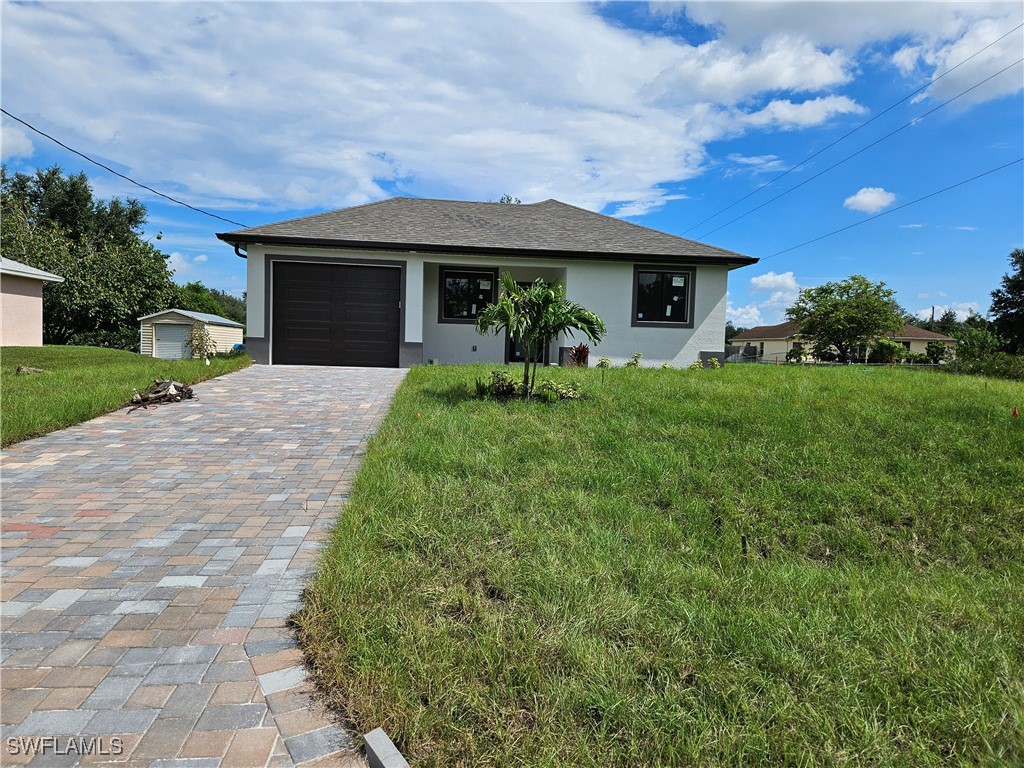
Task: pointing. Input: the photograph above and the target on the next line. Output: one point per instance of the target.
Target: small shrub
(504, 386)
(696, 365)
(666, 366)
(634, 360)
(199, 341)
(1000, 365)
(579, 355)
(552, 391)
(713, 363)
(936, 352)
(886, 351)
(604, 362)
(796, 355)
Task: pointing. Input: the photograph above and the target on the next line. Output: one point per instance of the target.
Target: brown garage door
(334, 314)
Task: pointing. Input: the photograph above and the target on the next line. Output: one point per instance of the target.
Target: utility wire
(903, 127)
(893, 210)
(848, 135)
(120, 175)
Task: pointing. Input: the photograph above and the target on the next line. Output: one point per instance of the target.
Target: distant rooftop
(789, 329)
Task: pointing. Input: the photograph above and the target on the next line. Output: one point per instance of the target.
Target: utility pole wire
(903, 127)
(893, 210)
(848, 135)
(119, 175)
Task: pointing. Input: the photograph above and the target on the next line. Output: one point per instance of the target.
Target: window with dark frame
(662, 297)
(464, 293)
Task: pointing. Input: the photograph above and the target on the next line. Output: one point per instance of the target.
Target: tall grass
(81, 383)
(550, 585)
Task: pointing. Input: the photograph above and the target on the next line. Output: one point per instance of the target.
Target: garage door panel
(335, 314)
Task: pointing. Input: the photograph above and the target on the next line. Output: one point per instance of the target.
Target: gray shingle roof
(548, 228)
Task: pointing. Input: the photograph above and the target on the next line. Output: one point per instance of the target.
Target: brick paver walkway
(151, 561)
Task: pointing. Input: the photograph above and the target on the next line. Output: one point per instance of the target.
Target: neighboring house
(402, 281)
(165, 334)
(21, 317)
(773, 342)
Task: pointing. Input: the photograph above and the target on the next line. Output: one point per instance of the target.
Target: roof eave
(731, 259)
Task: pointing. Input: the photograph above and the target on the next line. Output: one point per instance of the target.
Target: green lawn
(83, 382)
(564, 585)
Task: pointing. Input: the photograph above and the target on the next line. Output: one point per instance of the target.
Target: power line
(893, 210)
(119, 175)
(848, 135)
(903, 127)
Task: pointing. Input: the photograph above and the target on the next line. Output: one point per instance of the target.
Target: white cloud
(756, 164)
(911, 226)
(771, 281)
(967, 229)
(348, 103)
(784, 114)
(744, 317)
(14, 142)
(869, 200)
(183, 266)
(961, 308)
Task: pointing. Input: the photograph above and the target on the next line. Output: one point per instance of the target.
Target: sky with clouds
(668, 115)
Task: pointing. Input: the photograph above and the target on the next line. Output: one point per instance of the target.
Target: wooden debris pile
(161, 392)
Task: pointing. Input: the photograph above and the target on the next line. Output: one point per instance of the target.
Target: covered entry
(335, 314)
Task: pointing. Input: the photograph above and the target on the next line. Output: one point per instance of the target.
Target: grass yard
(81, 383)
(538, 585)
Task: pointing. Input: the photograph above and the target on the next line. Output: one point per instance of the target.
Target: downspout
(239, 253)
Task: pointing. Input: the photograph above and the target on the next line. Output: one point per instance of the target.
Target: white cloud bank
(869, 200)
(14, 143)
(302, 105)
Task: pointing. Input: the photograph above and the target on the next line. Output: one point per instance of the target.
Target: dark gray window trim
(268, 287)
(691, 277)
(441, 269)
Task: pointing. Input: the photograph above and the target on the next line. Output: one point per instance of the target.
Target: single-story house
(773, 342)
(401, 281)
(164, 334)
(21, 288)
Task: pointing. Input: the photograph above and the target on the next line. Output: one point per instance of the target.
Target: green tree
(196, 297)
(1008, 305)
(731, 330)
(845, 315)
(111, 275)
(232, 306)
(533, 315)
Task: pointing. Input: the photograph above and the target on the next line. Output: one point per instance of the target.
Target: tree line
(112, 273)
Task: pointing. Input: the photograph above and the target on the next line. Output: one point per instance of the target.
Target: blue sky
(661, 113)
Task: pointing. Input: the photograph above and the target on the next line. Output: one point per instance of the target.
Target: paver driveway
(150, 562)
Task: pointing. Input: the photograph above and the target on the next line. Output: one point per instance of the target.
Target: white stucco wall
(455, 342)
(607, 289)
(255, 293)
(603, 287)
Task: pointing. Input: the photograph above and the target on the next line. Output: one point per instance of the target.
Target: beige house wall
(21, 312)
(776, 349)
